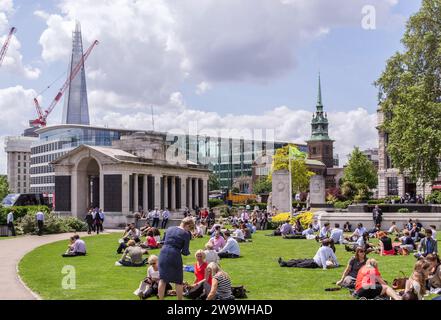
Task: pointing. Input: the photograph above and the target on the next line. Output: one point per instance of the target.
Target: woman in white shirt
(210, 254)
(149, 286)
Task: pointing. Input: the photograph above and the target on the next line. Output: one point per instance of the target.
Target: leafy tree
(360, 170)
(4, 187)
(262, 186)
(213, 182)
(410, 97)
(299, 170)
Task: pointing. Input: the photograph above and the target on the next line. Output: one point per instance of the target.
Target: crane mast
(6, 45)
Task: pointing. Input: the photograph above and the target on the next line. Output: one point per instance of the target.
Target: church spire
(319, 95)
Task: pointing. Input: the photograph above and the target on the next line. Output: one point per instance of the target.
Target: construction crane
(42, 115)
(6, 45)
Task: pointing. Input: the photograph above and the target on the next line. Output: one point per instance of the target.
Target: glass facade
(228, 158)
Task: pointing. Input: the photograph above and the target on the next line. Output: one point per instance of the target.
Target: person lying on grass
(354, 265)
(324, 258)
(76, 248)
(132, 256)
(370, 285)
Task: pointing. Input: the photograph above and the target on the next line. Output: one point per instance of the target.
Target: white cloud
(203, 87)
(13, 61)
(16, 104)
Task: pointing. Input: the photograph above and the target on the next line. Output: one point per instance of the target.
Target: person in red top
(151, 242)
(369, 283)
(204, 214)
(200, 268)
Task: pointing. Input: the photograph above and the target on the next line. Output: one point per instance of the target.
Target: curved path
(12, 251)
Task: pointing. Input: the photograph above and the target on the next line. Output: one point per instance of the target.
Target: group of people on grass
(256, 219)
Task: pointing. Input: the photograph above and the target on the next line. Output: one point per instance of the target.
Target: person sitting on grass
(347, 227)
(357, 232)
(149, 286)
(76, 248)
(434, 279)
(309, 233)
(433, 228)
(416, 284)
(221, 284)
(415, 233)
(131, 233)
(210, 254)
(200, 269)
(427, 246)
(145, 228)
(370, 285)
(393, 229)
(354, 265)
(286, 229)
(132, 256)
(246, 231)
(337, 234)
(298, 229)
(385, 243)
(324, 232)
(198, 232)
(238, 234)
(218, 241)
(231, 248)
(373, 233)
(316, 225)
(407, 242)
(362, 242)
(324, 258)
(214, 229)
(150, 241)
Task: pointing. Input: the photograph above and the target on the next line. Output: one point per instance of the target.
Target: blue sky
(259, 58)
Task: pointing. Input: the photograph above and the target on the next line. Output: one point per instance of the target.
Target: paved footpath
(12, 251)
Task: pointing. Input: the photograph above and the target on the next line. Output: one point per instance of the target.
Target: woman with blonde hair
(210, 254)
(417, 282)
(220, 285)
(176, 244)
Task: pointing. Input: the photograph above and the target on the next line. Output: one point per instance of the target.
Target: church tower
(320, 146)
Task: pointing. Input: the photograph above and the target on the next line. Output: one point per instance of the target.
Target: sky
(219, 65)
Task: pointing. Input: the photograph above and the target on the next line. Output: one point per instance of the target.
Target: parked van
(25, 199)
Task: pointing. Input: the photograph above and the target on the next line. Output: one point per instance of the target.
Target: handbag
(239, 292)
(399, 283)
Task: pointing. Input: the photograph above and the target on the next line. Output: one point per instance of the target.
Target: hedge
(20, 212)
(215, 202)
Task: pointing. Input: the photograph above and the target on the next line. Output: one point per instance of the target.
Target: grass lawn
(258, 270)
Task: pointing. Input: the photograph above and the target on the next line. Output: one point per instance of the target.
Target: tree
(410, 97)
(360, 170)
(299, 170)
(262, 186)
(213, 182)
(4, 187)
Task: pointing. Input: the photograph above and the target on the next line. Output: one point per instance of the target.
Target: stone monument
(281, 197)
(317, 191)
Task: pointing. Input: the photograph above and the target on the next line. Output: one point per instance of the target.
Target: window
(18, 157)
(314, 150)
(392, 186)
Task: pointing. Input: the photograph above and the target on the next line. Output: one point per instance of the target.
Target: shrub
(305, 218)
(215, 202)
(434, 197)
(342, 204)
(52, 224)
(281, 217)
(403, 210)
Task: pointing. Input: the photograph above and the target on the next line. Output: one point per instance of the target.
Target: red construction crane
(42, 116)
(6, 45)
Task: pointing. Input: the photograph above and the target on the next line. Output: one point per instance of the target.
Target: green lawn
(257, 270)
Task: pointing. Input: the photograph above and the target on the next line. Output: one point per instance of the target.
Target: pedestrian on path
(165, 217)
(89, 221)
(10, 222)
(40, 222)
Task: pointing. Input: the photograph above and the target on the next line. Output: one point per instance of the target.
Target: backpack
(196, 292)
(239, 292)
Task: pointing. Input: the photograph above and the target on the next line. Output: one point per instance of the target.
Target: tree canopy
(4, 187)
(360, 170)
(410, 97)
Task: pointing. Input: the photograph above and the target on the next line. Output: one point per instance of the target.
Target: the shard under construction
(76, 108)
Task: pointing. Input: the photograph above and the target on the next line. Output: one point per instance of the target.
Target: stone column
(125, 194)
(135, 193)
(157, 178)
(183, 191)
(145, 193)
(165, 187)
(173, 194)
(190, 193)
(102, 189)
(401, 186)
(196, 193)
(205, 193)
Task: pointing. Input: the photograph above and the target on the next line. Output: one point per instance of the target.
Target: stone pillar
(145, 193)
(125, 194)
(165, 187)
(157, 184)
(173, 194)
(196, 193)
(183, 191)
(190, 193)
(135, 193)
(401, 186)
(205, 193)
(102, 189)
